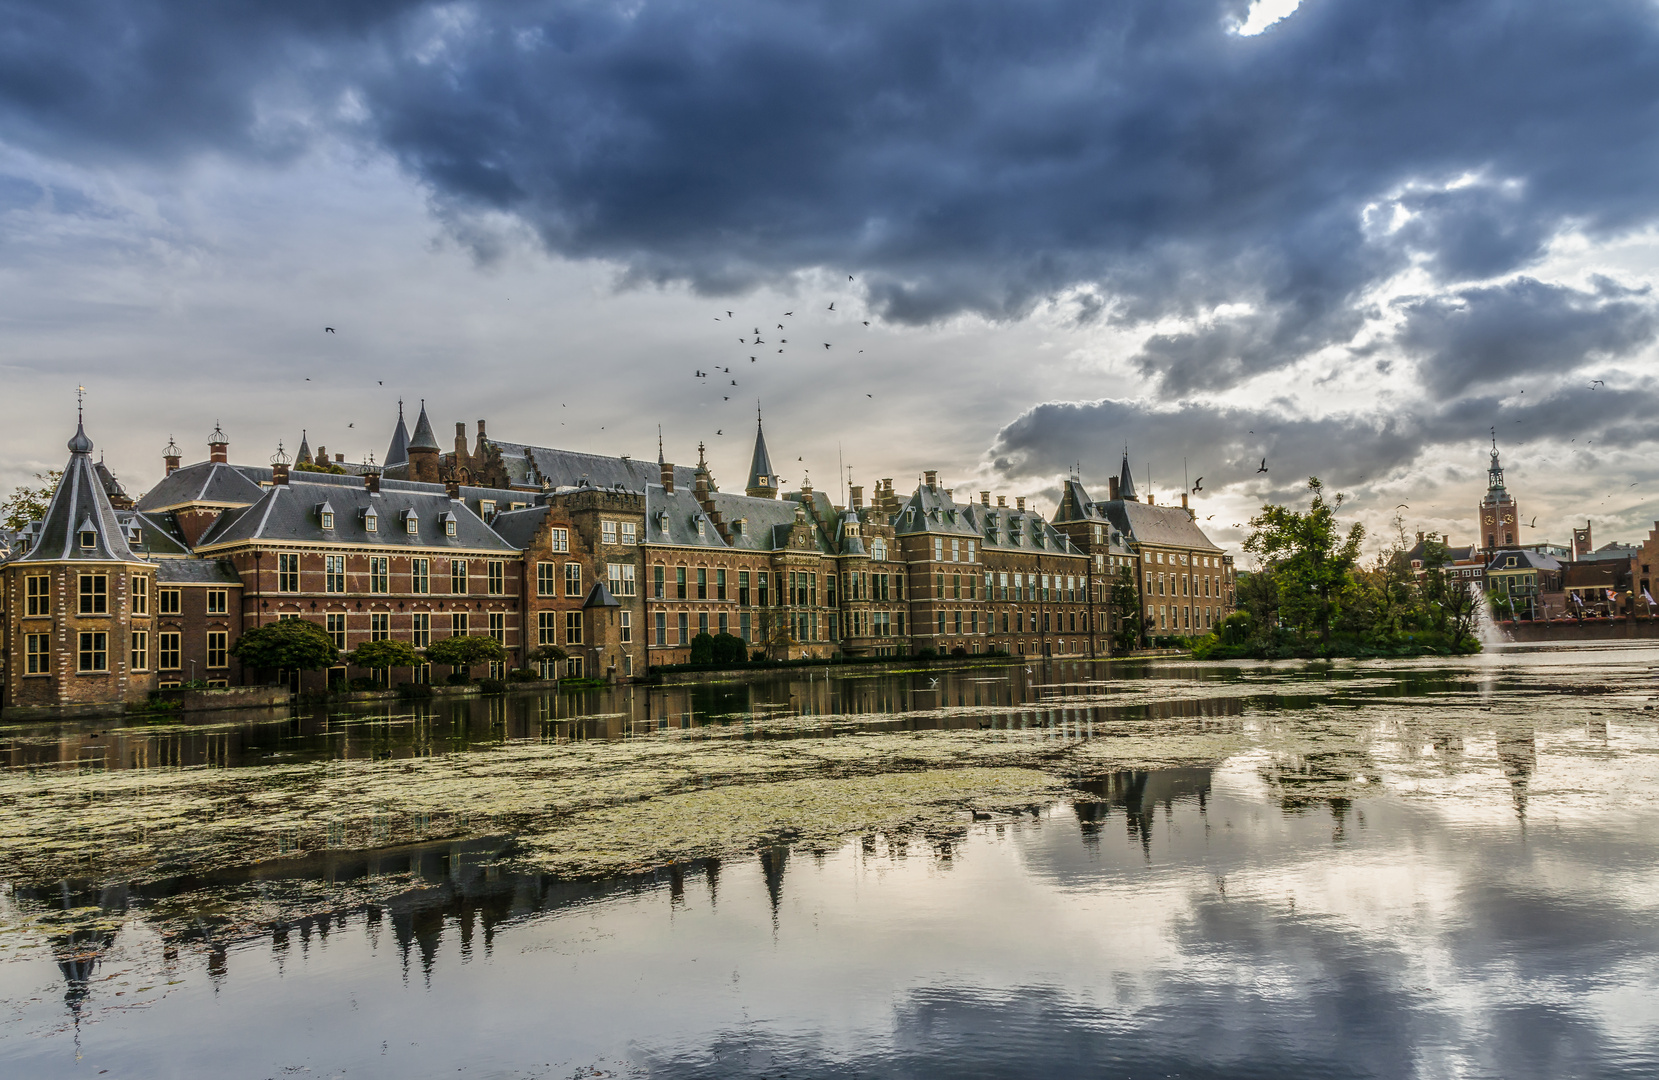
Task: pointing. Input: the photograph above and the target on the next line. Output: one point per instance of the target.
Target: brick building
(619, 564)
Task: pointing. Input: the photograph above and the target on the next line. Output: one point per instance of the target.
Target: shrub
(492, 686)
(361, 683)
(286, 644)
(758, 656)
(459, 678)
(729, 650)
(409, 691)
(702, 648)
(524, 674)
(926, 652)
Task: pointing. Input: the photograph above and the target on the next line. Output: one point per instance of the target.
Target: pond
(1134, 869)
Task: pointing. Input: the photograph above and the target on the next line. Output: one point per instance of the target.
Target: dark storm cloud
(1522, 328)
(1341, 449)
(958, 155)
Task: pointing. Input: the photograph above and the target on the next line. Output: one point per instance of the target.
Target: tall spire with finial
(398, 453)
(79, 443)
(763, 483)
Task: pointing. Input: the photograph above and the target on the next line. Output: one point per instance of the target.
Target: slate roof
(930, 510)
(539, 466)
(212, 482)
(398, 452)
(1524, 560)
(1610, 552)
(158, 534)
(760, 466)
(289, 513)
(672, 517)
(1157, 526)
(79, 504)
(196, 572)
(423, 439)
(518, 527)
(768, 523)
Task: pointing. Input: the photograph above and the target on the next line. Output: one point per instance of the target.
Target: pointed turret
(80, 523)
(763, 483)
(398, 453)
(303, 457)
(423, 449)
(1126, 481)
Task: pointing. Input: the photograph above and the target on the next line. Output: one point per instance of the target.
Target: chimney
(948, 492)
(930, 478)
(1002, 502)
(339, 459)
(1149, 499)
(985, 498)
(218, 446)
(478, 453)
(1019, 503)
(371, 480)
(170, 454)
(668, 476)
(1111, 489)
(857, 496)
(1184, 501)
(453, 487)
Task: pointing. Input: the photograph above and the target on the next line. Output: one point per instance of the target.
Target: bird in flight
(351, 425)
(722, 431)
(1402, 506)
(1198, 485)
(728, 314)
(869, 395)
(866, 322)
(832, 305)
(789, 313)
(752, 359)
(1598, 382)
(380, 382)
(849, 277)
(1263, 466)
(826, 344)
(328, 329)
(734, 382)
(1208, 518)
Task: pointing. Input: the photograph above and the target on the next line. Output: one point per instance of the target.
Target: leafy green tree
(702, 648)
(729, 650)
(287, 644)
(1126, 608)
(464, 652)
(547, 653)
(1309, 559)
(385, 654)
(29, 503)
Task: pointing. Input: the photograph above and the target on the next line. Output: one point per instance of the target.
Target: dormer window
(486, 509)
(910, 516)
(371, 521)
(449, 522)
(411, 523)
(325, 514)
(738, 526)
(89, 539)
(700, 526)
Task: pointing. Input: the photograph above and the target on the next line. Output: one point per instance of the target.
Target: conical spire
(80, 524)
(424, 439)
(398, 452)
(1126, 481)
(303, 457)
(763, 483)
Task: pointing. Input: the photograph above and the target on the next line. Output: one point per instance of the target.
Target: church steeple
(763, 483)
(1499, 519)
(1126, 480)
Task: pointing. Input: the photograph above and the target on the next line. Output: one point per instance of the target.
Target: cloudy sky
(1349, 237)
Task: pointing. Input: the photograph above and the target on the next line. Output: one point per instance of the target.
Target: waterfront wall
(1588, 630)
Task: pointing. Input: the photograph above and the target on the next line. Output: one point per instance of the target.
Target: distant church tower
(1499, 519)
(763, 482)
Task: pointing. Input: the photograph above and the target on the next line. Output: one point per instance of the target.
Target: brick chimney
(1019, 503)
(170, 454)
(1112, 489)
(218, 447)
(371, 481)
(1002, 502)
(857, 496)
(667, 476)
(453, 487)
(931, 479)
(985, 498)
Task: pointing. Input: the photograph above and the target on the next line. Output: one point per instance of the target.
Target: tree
(464, 652)
(702, 648)
(29, 504)
(729, 650)
(384, 654)
(1310, 561)
(546, 653)
(287, 644)
(1126, 606)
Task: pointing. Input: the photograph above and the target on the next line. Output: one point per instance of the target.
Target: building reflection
(1139, 794)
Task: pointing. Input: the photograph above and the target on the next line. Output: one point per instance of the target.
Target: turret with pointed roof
(1126, 481)
(80, 524)
(423, 450)
(398, 453)
(763, 483)
(303, 457)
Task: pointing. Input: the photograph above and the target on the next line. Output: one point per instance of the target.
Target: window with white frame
(335, 623)
(607, 532)
(630, 533)
(334, 573)
(559, 540)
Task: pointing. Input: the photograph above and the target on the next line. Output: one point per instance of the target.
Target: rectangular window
(334, 573)
(630, 587)
(420, 576)
(607, 532)
(679, 583)
(547, 628)
(719, 584)
(39, 591)
(573, 628)
(335, 623)
(702, 583)
(380, 579)
(743, 587)
(558, 540)
(140, 660)
(380, 625)
(627, 627)
(725, 624)
(497, 577)
(657, 581)
(218, 649)
(662, 628)
(94, 595)
(169, 647)
(763, 578)
(956, 586)
(498, 627)
(547, 579)
(140, 594)
(613, 578)
(94, 651)
(216, 601)
(628, 532)
(457, 624)
(685, 635)
(458, 576)
(288, 572)
(573, 579)
(702, 622)
(941, 622)
(743, 627)
(37, 647)
(955, 550)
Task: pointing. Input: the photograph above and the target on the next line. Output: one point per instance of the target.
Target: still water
(1426, 869)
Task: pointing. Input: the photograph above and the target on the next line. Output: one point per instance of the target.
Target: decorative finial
(80, 396)
(281, 456)
(659, 444)
(171, 449)
(701, 463)
(218, 435)
(400, 408)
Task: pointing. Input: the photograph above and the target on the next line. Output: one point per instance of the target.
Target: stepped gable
(79, 525)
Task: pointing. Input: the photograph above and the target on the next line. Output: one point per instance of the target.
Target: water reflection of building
(1518, 758)
(1139, 793)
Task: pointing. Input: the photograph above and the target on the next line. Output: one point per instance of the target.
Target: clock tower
(1498, 525)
